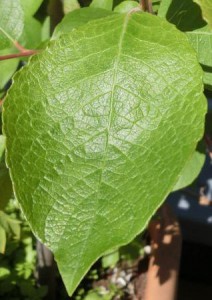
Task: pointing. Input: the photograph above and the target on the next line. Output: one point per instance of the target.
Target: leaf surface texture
(99, 127)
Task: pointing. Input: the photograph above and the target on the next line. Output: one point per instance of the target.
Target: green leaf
(201, 41)
(208, 78)
(45, 31)
(191, 170)
(30, 6)
(70, 5)
(5, 181)
(3, 241)
(7, 67)
(4, 272)
(2, 145)
(126, 6)
(104, 4)
(206, 6)
(78, 18)
(92, 146)
(11, 22)
(31, 36)
(186, 15)
(10, 225)
(156, 5)
(110, 259)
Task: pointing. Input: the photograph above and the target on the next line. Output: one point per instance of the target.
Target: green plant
(102, 124)
(17, 263)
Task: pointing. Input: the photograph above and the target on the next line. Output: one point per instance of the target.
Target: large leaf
(105, 4)
(186, 15)
(11, 22)
(78, 18)
(206, 6)
(106, 119)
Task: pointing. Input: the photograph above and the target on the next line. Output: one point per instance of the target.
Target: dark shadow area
(206, 68)
(195, 272)
(186, 15)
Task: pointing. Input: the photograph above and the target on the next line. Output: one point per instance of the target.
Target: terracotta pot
(162, 274)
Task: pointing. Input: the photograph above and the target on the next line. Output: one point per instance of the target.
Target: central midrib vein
(114, 78)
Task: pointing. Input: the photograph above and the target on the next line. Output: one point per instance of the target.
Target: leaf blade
(103, 122)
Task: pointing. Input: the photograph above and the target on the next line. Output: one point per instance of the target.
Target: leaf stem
(146, 6)
(1, 102)
(19, 47)
(22, 53)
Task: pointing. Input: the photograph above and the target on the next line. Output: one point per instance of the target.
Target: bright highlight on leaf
(106, 119)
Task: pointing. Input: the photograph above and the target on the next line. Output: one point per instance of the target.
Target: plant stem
(1, 102)
(19, 47)
(146, 5)
(20, 54)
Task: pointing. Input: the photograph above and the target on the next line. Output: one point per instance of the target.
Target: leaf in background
(7, 67)
(156, 5)
(208, 78)
(2, 145)
(11, 22)
(110, 116)
(45, 31)
(110, 259)
(70, 5)
(3, 241)
(6, 190)
(8, 227)
(186, 15)
(126, 6)
(104, 4)
(206, 6)
(5, 181)
(78, 18)
(30, 7)
(201, 41)
(31, 36)
(191, 170)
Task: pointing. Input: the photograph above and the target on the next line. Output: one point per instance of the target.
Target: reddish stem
(1, 102)
(20, 54)
(19, 47)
